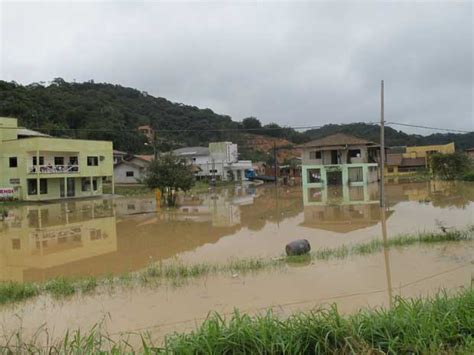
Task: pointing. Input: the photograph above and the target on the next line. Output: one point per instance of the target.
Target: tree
(169, 174)
(251, 123)
(449, 166)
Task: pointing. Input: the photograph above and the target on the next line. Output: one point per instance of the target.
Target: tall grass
(438, 325)
(178, 273)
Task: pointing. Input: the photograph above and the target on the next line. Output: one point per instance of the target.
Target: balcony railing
(54, 169)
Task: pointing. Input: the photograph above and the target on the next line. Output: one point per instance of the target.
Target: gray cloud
(290, 63)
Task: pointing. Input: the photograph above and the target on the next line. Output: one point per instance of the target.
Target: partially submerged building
(340, 159)
(406, 160)
(38, 167)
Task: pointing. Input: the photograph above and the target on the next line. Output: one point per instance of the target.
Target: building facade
(219, 161)
(408, 160)
(39, 167)
(339, 159)
(130, 171)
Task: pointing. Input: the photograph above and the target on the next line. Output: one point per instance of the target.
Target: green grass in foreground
(439, 325)
(177, 273)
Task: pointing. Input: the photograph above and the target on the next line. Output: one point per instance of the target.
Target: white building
(130, 171)
(219, 160)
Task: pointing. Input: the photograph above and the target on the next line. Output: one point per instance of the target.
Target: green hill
(112, 112)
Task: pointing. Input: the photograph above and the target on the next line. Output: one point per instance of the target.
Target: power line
(393, 123)
(427, 127)
(173, 130)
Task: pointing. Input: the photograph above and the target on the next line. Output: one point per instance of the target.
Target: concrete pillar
(345, 193)
(304, 173)
(345, 175)
(365, 174)
(324, 194)
(324, 176)
(37, 173)
(366, 193)
(113, 185)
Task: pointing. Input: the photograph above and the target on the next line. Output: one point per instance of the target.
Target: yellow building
(38, 167)
(407, 160)
(424, 151)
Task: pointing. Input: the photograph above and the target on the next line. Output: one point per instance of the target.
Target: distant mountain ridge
(112, 112)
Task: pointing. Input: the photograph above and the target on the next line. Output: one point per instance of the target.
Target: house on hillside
(339, 159)
(38, 167)
(147, 131)
(406, 160)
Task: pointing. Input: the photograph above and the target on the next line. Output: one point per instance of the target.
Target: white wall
(120, 174)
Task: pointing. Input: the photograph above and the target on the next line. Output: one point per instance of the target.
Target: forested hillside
(104, 111)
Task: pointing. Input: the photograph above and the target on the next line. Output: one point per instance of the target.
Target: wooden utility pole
(275, 163)
(382, 148)
(155, 150)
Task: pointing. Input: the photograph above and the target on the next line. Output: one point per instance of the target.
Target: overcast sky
(294, 63)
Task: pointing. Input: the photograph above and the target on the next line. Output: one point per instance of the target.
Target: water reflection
(98, 237)
(40, 241)
(342, 209)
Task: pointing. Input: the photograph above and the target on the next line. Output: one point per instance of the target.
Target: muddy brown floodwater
(114, 236)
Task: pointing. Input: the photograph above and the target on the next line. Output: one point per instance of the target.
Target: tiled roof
(145, 157)
(413, 162)
(394, 159)
(337, 139)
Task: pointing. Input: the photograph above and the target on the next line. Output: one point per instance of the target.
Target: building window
(315, 155)
(43, 186)
(13, 162)
(129, 173)
(354, 153)
(92, 161)
(58, 160)
(390, 169)
(356, 174)
(41, 161)
(94, 184)
(31, 186)
(314, 176)
(85, 184)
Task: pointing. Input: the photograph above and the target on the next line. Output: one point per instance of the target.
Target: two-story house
(37, 167)
(339, 159)
(220, 160)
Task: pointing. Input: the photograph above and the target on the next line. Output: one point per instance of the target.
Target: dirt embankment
(286, 150)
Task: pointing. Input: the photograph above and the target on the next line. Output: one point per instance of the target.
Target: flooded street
(113, 236)
(120, 235)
